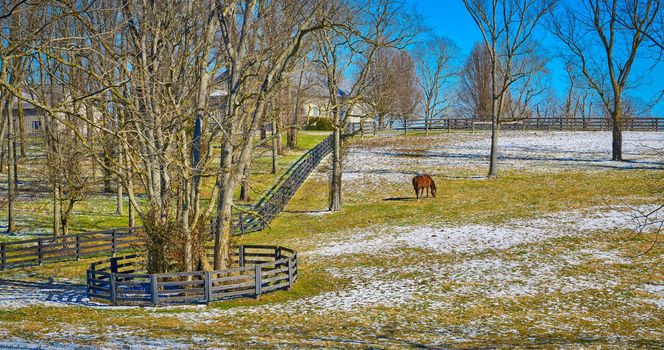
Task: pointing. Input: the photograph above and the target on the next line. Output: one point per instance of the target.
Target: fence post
(241, 223)
(113, 243)
(88, 283)
(40, 257)
(78, 247)
(154, 290)
(113, 292)
(3, 255)
(290, 272)
(207, 286)
(257, 273)
(241, 257)
(114, 265)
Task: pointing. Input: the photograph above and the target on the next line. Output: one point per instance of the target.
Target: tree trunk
(64, 215)
(130, 188)
(132, 215)
(335, 183)
(493, 163)
(21, 126)
(245, 193)
(617, 134)
(11, 163)
(275, 148)
(108, 186)
(263, 133)
(56, 211)
(14, 150)
(118, 199)
(222, 229)
(291, 137)
(280, 145)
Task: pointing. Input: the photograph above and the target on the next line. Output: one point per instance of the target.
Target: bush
(320, 123)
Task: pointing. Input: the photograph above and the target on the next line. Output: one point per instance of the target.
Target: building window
(36, 124)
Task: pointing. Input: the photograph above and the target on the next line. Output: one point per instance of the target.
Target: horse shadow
(400, 199)
(314, 212)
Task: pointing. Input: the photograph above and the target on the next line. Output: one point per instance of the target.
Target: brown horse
(421, 182)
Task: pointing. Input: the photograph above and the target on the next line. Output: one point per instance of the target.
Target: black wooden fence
(41, 250)
(594, 123)
(277, 198)
(257, 270)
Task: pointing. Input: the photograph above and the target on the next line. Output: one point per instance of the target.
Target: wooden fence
(257, 270)
(41, 250)
(594, 123)
(277, 198)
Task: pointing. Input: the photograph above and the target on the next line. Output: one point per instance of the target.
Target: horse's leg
(427, 191)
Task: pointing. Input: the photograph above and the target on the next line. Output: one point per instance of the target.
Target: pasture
(543, 256)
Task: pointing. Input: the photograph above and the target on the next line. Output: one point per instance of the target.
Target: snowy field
(555, 279)
(395, 161)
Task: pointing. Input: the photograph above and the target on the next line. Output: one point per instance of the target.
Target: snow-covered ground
(395, 161)
(494, 277)
(477, 238)
(437, 269)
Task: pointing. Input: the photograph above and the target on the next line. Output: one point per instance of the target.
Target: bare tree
(256, 65)
(18, 27)
(597, 28)
(474, 92)
(362, 30)
(434, 59)
(135, 85)
(407, 93)
(507, 28)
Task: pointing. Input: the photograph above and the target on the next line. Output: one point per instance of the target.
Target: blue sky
(451, 19)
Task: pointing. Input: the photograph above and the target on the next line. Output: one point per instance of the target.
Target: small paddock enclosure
(258, 269)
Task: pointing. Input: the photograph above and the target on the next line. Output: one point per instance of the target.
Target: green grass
(97, 211)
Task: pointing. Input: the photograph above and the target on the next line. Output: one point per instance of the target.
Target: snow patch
(477, 237)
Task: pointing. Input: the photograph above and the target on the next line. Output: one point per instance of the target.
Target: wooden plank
(232, 278)
(180, 283)
(180, 274)
(258, 282)
(275, 271)
(99, 296)
(247, 292)
(275, 286)
(234, 286)
(274, 279)
(143, 300)
(166, 299)
(101, 289)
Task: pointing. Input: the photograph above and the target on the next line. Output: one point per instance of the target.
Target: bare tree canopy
(435, 61)
(508, 30)
(604, 39)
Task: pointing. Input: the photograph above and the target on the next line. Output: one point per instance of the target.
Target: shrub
(320, 123)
